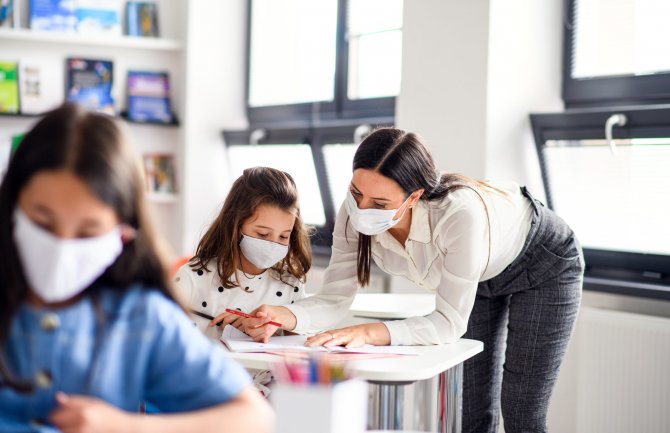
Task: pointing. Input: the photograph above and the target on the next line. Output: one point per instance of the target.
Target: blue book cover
(53, 15)
(99, 16)
(149, 97)
(142, 19)
(89, 83)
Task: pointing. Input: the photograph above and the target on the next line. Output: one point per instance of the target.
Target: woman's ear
(128, 233)
(415, 196)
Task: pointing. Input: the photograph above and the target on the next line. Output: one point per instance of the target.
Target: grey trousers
(525, 317)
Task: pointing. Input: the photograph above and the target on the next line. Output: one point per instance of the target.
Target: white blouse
(203, 292)
(447, 252)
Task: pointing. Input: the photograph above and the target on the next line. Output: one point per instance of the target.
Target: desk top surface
(392, 305)
(431, 361)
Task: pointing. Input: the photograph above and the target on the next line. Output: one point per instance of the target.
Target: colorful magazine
(89, 83)
(149, 97)
(53, 15)
(142, 19)
(9, 87)
(99, 16)
(159, 173)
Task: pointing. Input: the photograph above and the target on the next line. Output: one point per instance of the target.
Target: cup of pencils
(317, 395)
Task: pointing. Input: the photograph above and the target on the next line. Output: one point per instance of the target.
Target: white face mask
(371, 221)
(263, 254)
(59, 269)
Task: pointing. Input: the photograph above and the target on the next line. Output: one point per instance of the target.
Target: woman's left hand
(376, 334)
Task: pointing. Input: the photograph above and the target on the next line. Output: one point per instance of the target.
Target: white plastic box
(338, 408)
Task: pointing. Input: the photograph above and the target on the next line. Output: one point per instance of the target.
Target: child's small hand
(82, 414)
(224, 319)
(258, 328)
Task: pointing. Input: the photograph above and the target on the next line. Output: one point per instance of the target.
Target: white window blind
(618, 203)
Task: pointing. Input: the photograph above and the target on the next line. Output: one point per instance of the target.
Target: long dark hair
(256, 186)
(403, 157)
(92, 147)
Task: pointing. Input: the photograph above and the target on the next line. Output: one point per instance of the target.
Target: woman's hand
(376, 334)
(82, 414)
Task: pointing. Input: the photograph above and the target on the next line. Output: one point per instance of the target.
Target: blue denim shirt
(146, 350)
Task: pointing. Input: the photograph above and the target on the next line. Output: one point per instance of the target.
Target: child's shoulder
(139, 303)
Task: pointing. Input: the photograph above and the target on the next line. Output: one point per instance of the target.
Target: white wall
(214, 100)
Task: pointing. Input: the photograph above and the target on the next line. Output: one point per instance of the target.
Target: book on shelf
(53, 15)
(9, 87)
(149, 97)
(8, 146)
(89, 83)
(9, 13)
(159, 173)
(142, 19)
(99, 17)
(40, 90)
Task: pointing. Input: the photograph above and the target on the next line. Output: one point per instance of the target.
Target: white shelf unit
(166, 53)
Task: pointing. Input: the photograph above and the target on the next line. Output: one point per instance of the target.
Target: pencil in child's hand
(248, 316)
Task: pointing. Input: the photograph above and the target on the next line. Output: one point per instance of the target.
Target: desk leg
(431, 405)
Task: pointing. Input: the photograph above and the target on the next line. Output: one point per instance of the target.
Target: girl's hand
(376, 334)
(227, 319)
(82, 414)
(258, 327)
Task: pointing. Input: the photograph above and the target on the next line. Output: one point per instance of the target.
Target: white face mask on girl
(58, 269)
(261, 253)
(371, 221)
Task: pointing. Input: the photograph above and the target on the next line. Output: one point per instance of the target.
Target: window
(615, 52)
(614, 194)
(320, 74)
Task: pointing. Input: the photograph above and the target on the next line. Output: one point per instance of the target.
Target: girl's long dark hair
(221, 242)
(403, 157)
(92, 147)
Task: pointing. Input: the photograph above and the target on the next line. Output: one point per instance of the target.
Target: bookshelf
(165, 53)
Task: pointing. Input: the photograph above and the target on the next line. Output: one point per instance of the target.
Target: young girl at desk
(256, 252)
(88, 325)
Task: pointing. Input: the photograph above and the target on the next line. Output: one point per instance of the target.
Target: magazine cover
(9, 88)
(142, 19)
(53, 15)
(39, 90)
(99, 16)
(149, 97)
(8, 13)
(89, 83)
(160, 173)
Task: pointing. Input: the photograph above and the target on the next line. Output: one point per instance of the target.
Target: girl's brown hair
(256, 186)
(403, 157)
(91, 146)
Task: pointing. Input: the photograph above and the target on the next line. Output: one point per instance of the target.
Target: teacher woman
(505, 270)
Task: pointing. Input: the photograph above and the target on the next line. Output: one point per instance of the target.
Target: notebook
(237, 341)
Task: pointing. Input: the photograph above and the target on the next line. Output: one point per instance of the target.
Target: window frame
(610, 90)
(311, 113)
(627, 273)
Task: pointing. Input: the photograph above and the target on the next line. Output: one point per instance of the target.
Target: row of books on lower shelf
(83, 16)
(30, 87)
(159, 169)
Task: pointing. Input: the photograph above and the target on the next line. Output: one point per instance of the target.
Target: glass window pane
(618, 203)
(375, 48)
(292, 53)
(339, 159)
(296, 160)
(622, 37)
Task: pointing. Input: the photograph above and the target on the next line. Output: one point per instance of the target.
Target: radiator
(623, 373)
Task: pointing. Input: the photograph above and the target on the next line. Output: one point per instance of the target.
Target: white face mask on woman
(371, 221)
(58, 269)
(262, 253)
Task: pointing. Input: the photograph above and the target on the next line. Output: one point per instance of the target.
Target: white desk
(431, 381)
(385, 306)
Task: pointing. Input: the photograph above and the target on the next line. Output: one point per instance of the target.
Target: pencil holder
(330, 408)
